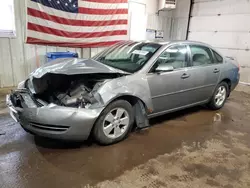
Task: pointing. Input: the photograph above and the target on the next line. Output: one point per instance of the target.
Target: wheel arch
(130, 98)
(140, 109)
(229, 83)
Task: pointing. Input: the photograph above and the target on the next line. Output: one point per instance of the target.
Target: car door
(168, 88)
(205, 72)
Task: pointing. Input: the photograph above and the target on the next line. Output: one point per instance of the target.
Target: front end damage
(53, 121)
(63, 99)
(59, 106)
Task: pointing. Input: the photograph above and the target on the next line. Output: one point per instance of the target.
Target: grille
(56, 128)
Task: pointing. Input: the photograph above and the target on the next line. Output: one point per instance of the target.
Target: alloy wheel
(220, 95)
(115, 123)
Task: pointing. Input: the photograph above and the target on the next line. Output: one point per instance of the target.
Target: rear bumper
(55, 121)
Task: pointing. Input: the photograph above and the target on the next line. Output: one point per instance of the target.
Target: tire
(214, 104)
(106, 130)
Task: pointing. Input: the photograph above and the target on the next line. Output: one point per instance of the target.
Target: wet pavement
(191, 148)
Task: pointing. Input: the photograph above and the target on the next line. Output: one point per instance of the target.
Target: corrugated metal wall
(176, 23)
(225, 25)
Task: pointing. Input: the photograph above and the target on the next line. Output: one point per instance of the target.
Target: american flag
(77, 23)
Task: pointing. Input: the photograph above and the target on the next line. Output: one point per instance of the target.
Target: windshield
(128, 56)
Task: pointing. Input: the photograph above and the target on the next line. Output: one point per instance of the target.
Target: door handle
(216, 70)
(185, 75)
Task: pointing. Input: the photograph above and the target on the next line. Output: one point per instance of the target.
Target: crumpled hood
(74, 66)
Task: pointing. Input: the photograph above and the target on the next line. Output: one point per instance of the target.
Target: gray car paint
(160, 93)
(195, 90)
(73, 66)
(79, 121)
(131, 85)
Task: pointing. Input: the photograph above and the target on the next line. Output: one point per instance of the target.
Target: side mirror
(164, 68)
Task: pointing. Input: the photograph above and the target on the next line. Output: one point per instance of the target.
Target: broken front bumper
(54, 121)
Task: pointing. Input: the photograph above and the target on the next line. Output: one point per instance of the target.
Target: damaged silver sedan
(119, 88)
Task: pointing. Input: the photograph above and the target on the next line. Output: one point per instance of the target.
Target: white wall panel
(40, 55)
(215, 7)
(17, 51)
(6, 71)
(175, 21)
(179, 30)
(229, 40)
(225, 25)
(61, 49)
(30, 58)
(242, 56)
(154, 22)
(51, 48)
(80, 55)
(86, 52)
(161, 22)
(182, 9)
(151, 5)
(137, 14)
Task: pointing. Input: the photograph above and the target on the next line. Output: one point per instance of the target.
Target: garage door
(225, 25)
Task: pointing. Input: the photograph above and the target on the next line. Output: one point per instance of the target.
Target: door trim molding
(176, 109)
(182, 91)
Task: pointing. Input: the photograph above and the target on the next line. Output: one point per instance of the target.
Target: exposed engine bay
(68, 90)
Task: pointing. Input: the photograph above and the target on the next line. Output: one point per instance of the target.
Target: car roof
(176, 42)
(166, 43)
(189, 42)
(161, 42)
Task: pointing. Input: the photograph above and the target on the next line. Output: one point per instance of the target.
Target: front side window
(201, 55)
(176, 57)
(128, 56)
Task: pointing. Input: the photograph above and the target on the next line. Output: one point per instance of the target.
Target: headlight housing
(21, 85)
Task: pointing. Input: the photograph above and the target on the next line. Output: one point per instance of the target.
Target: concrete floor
(191, 148)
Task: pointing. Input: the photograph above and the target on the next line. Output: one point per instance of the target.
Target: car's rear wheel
(219, 97)
(115, 123)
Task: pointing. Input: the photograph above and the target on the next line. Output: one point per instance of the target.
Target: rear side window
(217, 57)
(201, 55)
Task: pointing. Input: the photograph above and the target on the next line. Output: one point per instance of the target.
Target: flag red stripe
(107, 1)
(60, 20)
(31, 40)
(67, 34)
(102, 11)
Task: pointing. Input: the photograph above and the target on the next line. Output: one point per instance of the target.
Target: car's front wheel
(115, 123)
(219, 97)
